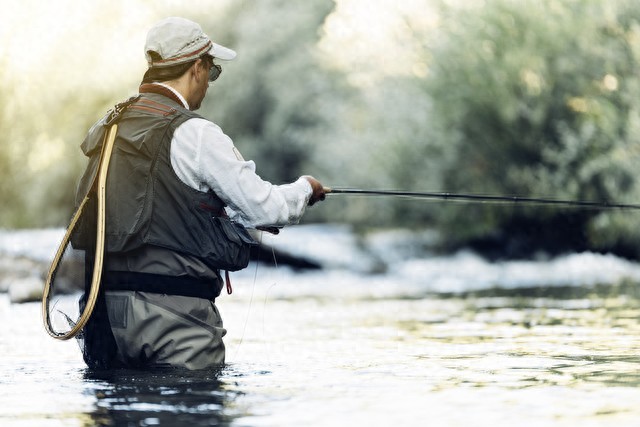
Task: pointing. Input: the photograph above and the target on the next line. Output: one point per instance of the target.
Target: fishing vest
(153, 219)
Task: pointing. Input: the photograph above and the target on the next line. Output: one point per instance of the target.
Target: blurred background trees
(273, 99)
(538, 98)
(516, 97)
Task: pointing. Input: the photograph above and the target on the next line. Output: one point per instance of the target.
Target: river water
(426, 340)
(334, 348)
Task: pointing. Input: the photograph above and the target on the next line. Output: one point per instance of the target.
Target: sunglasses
(214, 69)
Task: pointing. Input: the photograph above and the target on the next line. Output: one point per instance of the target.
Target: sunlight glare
(374, 39)
(74, 56)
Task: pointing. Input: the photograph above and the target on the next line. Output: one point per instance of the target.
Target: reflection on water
(492, 359)
(158, 398)
(522, 343)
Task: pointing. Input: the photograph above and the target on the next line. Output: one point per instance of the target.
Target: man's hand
(318, 190)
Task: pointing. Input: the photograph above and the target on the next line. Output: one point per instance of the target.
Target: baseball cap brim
(221, 52)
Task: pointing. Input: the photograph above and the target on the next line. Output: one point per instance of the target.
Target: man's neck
(175, 91)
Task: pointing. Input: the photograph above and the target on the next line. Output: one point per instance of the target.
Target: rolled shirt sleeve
(204, 158)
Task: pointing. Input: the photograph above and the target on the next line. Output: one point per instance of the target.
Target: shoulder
(202, 123)
(201, 127)
(93, 139)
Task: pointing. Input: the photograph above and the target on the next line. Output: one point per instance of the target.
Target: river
(335, 347)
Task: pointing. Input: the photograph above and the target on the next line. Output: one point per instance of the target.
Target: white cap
(179, 40)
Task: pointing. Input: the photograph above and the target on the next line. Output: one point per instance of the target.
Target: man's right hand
(318, 190)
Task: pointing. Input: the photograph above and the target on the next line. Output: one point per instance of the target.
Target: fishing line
(264, 305)
(468, 197)
(266, 296)
(246, 319)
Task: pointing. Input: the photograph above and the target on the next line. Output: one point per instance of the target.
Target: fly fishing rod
(480, 198)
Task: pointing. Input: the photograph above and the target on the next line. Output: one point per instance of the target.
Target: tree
(8, 188)
(537, 98)
(272, 98)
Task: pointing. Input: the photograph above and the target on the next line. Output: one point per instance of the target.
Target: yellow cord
(99, 249)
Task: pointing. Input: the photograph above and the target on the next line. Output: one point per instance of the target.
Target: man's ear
(195, 69)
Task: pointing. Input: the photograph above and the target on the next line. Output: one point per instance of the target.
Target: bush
(538, 98)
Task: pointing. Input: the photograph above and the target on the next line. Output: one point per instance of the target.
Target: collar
(166, 90)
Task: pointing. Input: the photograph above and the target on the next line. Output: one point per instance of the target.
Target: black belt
(159, 284)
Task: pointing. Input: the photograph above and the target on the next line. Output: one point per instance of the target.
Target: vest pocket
(235, 232)
(230, 243)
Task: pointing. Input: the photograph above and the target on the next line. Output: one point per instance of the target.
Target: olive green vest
(152, 217)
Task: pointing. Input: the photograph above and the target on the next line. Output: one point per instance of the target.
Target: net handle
(105, 158)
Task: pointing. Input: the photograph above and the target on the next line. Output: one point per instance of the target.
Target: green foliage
(40, 157)
(8, 194)
(538, 98)
(270, 98)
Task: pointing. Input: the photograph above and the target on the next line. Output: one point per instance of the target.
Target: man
(171, 174)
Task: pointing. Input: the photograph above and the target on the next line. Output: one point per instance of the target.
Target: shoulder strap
(115, 113)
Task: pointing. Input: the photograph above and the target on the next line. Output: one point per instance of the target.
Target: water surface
(304, 350)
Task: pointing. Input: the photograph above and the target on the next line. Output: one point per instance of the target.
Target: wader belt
(159, 284)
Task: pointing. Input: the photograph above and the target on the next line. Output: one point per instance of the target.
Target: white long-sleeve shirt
(204, 158)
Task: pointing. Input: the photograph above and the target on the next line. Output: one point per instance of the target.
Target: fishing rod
(482, 198)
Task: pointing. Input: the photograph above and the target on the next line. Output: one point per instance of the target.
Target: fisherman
(172, 172)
